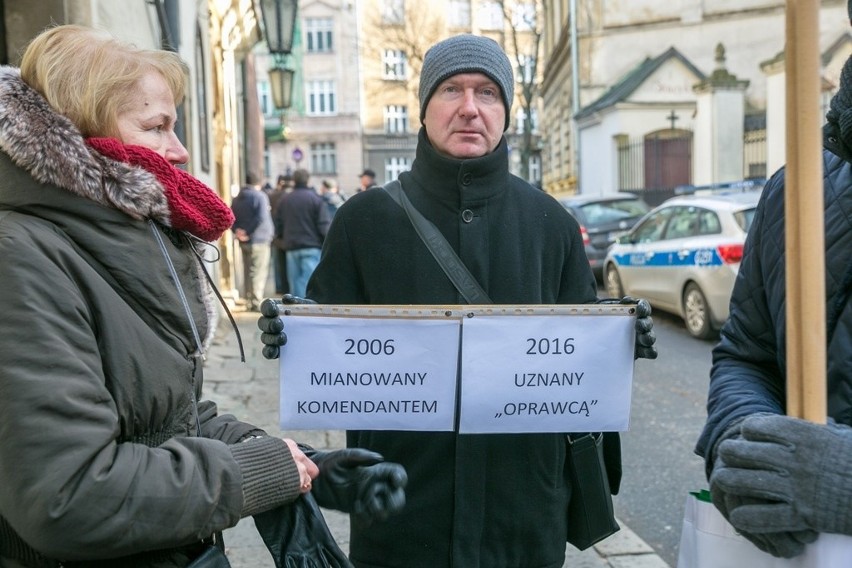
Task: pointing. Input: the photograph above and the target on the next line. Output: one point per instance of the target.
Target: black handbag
(297, 536)
(590, 514)
(212, 557)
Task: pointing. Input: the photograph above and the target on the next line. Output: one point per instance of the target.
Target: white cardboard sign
(369, 374)
(546, 374)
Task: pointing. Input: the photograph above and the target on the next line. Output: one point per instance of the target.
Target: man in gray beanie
(466, 54)
(495, 500)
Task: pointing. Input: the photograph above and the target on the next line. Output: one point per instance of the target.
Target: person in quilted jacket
(781, 481)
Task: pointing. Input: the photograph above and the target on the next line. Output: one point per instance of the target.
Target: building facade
(321, 130)
(662, 90)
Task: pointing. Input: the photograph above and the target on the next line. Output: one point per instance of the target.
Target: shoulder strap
(447, 258)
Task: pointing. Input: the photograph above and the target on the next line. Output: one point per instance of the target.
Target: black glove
(271, 324)
(645, 337)
(359, 482)
(796, 472)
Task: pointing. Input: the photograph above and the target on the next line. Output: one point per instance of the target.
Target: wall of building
(615, 35)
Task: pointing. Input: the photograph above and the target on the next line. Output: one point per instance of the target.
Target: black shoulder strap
(447, 258)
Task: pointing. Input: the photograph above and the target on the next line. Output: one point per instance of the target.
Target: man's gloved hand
(359, 482)
(798, 474)
(645, 337)
(271, 324)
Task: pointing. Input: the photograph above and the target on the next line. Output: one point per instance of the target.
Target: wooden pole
(805, 237)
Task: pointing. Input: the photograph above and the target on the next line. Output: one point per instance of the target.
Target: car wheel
(696, 312)
(613, 283)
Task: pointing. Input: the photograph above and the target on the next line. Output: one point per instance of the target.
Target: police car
(683, 257)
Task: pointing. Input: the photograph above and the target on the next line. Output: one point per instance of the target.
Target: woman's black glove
(645, 337)
(359, 482)
(271, 324)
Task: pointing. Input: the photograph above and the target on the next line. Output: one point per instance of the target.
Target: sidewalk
(250, 391)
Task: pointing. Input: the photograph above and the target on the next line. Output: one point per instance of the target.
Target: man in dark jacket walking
(301, 223)
(496, 500)
(253, 229)
(779, 480)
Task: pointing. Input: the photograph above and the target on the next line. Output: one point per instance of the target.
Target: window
(323, 158)
(395, 64)
(321, 98)
(684, 223)
(395, 166)
(396, 119)
(490, 16)
(265, 98)
(521, 120)
(708, 223)
(459, 14)
(535, 168)
(523, 17)
(652, 229)
(525, 70)
(393, 11)
(318, 35)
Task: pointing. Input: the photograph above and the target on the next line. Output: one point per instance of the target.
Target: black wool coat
(495, 501)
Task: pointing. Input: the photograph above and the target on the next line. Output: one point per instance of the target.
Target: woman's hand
(308, 470)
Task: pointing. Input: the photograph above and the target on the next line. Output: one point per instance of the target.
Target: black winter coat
(749, 364)
(488, 501)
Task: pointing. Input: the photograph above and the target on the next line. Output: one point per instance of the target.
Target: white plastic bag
(707, 540)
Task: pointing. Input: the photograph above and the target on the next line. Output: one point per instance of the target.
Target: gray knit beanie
(466, 54)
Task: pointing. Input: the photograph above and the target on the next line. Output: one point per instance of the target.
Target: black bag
(297, 536)
(212, 557)
(590, 514)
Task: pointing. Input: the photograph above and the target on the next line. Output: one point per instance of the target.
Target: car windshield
(744, 218)
(608, 211)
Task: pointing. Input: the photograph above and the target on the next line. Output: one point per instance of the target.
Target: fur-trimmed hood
(51, 149)
(104, 207)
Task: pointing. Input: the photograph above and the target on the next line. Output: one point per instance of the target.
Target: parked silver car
(683, 257)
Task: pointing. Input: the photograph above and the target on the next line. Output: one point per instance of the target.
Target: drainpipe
(575, 91)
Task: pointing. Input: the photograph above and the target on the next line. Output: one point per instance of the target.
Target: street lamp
(281, 83)
(279, 23)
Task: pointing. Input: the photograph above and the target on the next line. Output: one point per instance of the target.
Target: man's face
(465, 116)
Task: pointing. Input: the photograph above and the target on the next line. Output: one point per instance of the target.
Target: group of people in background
(284, 227)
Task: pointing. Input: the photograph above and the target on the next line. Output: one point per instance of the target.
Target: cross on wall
(672, 117)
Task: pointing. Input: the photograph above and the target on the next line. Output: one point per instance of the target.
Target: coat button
(466, 179)
(467, 215)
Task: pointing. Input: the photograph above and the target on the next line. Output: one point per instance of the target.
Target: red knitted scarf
(194, 207)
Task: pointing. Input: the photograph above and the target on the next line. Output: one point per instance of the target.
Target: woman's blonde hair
(90, 76)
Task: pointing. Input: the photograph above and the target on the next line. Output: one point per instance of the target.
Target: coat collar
(455, 181)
